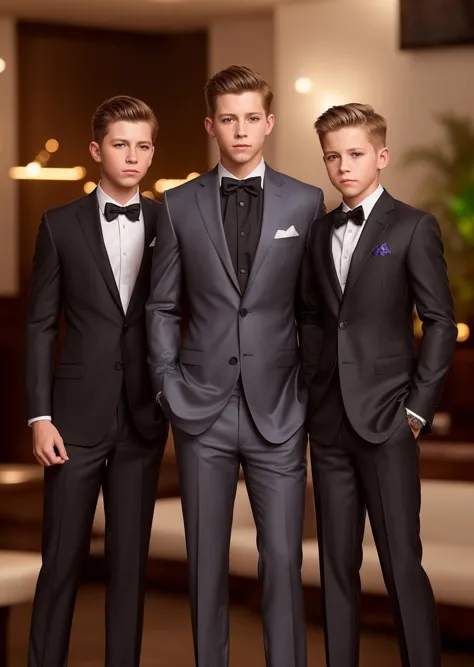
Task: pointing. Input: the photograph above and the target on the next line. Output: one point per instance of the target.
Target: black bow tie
(341, 218)
(132, 212)
(250, 185)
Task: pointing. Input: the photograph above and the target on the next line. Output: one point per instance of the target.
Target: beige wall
(349, 48)
(242, 42)
(8, 156)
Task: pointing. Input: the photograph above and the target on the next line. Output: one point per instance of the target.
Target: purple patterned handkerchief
(382, 250)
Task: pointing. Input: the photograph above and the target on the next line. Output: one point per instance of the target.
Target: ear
(94, 149)
(270, 124)
(209, 125)
(384, 158)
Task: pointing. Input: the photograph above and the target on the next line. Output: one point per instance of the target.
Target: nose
(343, 166)
(240, 130)
(131, 156)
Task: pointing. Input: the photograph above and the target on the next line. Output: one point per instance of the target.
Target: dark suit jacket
(366, 335)
(229, 334)
(103, 346)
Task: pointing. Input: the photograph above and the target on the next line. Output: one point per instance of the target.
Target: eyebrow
(233, 115)
(347, 150)
(127, 141)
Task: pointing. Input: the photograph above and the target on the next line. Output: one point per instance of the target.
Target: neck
(118, 194)
(352, 202)
(241, 171)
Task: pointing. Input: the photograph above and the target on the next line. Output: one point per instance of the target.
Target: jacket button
(118, 366)
(125, 328)
(342, 325)
(244, 312)
(233, 361)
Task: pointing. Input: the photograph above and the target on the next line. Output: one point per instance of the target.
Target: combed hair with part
(349, 115)
(236, 80)
(122, 107)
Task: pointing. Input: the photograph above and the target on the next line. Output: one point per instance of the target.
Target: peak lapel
(272, 213)
(150, 213)
(209, 205)
(89, 219)
(328, 257)
(373, 230)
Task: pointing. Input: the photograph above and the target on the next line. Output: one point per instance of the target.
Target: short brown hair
(122, 107)
(346, 115)
(236, 80)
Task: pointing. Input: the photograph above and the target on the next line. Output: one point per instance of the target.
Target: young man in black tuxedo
(368, 264)
(94, 418)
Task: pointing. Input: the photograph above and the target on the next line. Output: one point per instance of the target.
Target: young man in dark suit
(93, 415)
(367, 265)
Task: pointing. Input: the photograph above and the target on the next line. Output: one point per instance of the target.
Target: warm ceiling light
(149, 194)
(89, 187)
(192, 175)
(52, 145)
(34, 171)
(463, 332)
(3, 65)
(303, 85)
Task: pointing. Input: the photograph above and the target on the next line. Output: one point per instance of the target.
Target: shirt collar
(104, 199)
(258, 171)
(368, 203)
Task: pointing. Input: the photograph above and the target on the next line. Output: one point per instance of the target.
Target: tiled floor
(167, 637)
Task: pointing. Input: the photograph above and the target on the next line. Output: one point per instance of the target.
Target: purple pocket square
(381, 250)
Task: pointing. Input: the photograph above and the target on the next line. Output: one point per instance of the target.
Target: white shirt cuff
(37, 419)
(410, 412)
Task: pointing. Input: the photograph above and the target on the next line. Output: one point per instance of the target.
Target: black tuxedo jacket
(358, 347)
(103, 349)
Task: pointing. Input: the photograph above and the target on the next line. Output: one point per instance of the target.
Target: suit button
(118, 366)
(233, 361)
(125, 328)
(244, 312)
(342, 325)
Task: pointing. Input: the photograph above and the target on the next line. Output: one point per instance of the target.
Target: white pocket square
(289, 233)
(152, 243)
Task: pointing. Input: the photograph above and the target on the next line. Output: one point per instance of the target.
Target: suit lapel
(89, 219)
(209, 205)
(150, 211)
(375, 226)
(328, 257)
(272, 215)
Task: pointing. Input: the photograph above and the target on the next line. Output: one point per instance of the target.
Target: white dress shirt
(124, 241)
(344, 243)
(258, 171)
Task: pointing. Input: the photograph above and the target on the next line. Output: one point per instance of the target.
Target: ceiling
(147, 15)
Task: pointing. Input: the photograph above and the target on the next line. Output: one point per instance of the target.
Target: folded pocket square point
(381, 250)
(286, 234)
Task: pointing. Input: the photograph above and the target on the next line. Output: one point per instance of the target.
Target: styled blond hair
(236, 80)
(122, 107)
(353, 114)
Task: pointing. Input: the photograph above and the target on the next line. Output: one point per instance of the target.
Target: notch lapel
(209, 205)
(89, 219)
(150, 216)
(272, 214)
(375, 226)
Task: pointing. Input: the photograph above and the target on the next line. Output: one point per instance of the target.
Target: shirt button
(349, 231)
(345, 256)
(342, 325)
(241, 203)
(124, 254)
(233, 361)
(242, 271)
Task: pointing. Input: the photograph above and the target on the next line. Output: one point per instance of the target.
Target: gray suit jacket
(228, 333)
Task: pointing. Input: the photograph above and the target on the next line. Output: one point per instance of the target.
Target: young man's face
(353, 163)
(240, 126)
(125, 153)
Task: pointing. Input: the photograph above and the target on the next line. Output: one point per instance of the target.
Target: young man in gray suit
(231, 242)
